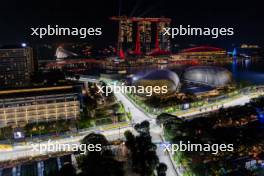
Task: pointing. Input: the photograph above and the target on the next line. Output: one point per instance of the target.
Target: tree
(161, 169)
(94, 139)
(103, 163)
(143, 127)
(143, 151)
(167, 118)
(130, 140)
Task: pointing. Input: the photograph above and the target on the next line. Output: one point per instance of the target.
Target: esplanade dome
(208, 75)
(158, 78)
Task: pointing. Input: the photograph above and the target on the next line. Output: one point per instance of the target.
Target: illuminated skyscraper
(144, 29)
(163, 41)
(16, 66)
(136, 34)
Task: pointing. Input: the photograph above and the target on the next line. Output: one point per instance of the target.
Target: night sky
(17, 17)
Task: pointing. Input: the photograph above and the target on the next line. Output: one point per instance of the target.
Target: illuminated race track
(138, 115)
(27, 149)
(238, 101)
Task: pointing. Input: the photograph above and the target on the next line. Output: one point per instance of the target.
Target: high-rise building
(139, 31)
(16, 66)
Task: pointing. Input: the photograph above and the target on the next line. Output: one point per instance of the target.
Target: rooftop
(37, 91)
(202, 49)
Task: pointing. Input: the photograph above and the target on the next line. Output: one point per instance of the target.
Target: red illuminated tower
(142, 29)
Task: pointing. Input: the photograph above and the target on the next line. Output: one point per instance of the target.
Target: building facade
(135, 35)
(205, 54)
(20, 107)
(16, 67)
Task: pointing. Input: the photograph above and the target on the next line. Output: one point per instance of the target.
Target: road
(237, 101)
(242, 100)
(138, 116)
(27, 150)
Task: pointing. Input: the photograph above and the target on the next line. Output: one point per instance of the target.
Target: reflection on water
(243, 70)
(247, 70)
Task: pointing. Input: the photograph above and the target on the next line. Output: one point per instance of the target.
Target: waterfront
(244, 71)
(249, 72)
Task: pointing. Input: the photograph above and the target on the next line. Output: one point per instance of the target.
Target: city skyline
(142, 88)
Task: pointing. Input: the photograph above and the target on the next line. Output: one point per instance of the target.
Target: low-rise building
(22, 106)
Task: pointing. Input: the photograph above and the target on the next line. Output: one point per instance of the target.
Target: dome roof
(159, 77)
(162, 74)
(208, 75)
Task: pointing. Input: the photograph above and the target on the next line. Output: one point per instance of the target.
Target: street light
(23, 45)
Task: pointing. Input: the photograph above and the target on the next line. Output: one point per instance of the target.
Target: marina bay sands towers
(142, 35)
